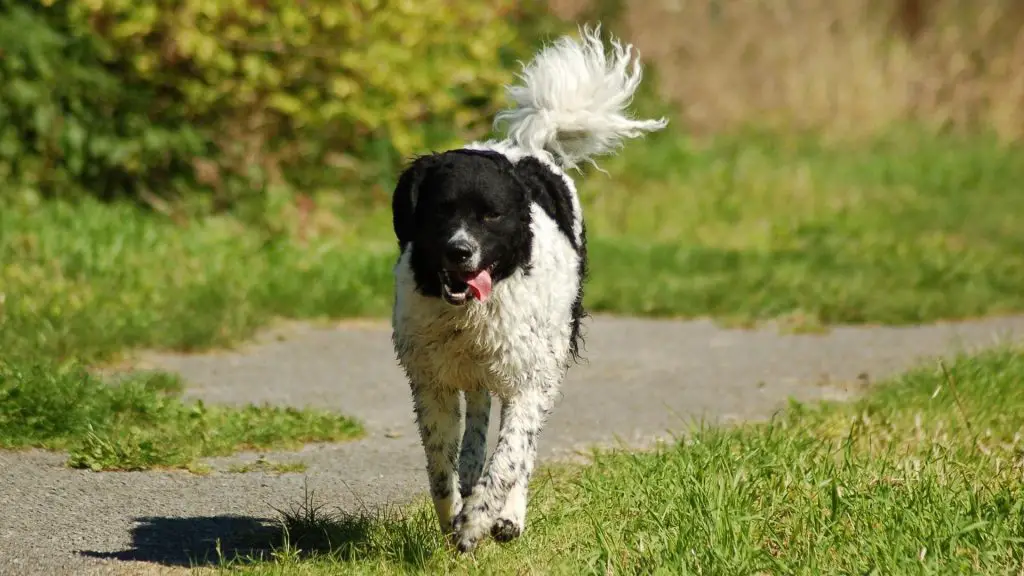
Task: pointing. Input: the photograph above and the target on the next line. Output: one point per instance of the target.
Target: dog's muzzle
(454, 290)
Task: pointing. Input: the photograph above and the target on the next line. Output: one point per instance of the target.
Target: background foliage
(846, 70)
(152, 98)
(220, 101)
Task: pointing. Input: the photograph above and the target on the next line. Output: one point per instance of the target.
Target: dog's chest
(500, 345)
(518, 338)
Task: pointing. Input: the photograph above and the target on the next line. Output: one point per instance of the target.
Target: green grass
(266, 466)
(81, 284)
(905, 229)
(90, 280)
(745, 229)
(142, 422)
(762, 228)
(924, 475)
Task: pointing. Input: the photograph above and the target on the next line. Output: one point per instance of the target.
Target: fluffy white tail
(573, 98)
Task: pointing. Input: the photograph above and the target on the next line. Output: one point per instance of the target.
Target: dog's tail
(573, 98)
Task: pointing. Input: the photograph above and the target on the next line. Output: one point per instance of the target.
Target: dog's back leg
(474, 439)
(438, 416)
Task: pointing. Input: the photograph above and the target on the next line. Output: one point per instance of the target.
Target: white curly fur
(516, 344)
(573, 100)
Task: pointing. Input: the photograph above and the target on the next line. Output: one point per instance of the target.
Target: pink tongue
(480, 284)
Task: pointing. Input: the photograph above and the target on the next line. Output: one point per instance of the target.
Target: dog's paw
(505, 530)
(471, 526)
(447, 513)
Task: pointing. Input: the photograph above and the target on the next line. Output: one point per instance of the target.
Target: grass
(90, 280)
(909, 228)
(83, 283)
(744, 229)
(763, 227)
(266, 466)
(852, 69)
(142, 422)
(921, 476)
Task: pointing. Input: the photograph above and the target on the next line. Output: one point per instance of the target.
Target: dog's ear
(407, 193)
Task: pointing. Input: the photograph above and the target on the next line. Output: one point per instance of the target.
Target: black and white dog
(489, 283)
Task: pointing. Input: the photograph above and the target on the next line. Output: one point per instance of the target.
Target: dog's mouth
(457, 288)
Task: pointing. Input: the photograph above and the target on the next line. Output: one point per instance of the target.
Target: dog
(489, 280)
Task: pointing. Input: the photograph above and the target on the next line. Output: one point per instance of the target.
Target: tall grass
(848, 69)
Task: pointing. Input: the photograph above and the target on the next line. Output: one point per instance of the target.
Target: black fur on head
(484, 194)
(474, 191)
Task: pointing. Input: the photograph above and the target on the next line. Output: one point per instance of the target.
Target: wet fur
(515, 201)
(516, 346)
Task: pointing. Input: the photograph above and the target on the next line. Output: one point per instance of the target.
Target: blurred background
(207, 165)
(215, 101)
(181, 174)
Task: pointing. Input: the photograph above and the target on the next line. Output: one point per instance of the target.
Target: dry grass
(852, 68)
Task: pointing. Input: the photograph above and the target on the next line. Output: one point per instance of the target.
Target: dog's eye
(491, 216)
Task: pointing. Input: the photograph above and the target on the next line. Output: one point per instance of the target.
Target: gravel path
(643, 378)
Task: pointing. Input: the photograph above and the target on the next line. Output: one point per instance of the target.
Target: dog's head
(467, 216)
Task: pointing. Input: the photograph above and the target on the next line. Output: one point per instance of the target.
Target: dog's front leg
(474, 439)
(439, 418)
(498, 501)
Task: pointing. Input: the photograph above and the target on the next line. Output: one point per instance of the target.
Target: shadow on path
(198, 541)
(382, 536)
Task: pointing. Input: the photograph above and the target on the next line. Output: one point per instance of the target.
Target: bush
(67, 119)
(153, 97)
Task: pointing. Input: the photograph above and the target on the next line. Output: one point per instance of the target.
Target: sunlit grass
(908, 229)
(142, 422)
(921, 476)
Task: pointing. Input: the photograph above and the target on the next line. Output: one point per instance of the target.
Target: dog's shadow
(198, 541)
(303, 532)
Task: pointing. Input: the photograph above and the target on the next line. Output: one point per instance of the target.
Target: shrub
(68, 120)
(151, 97)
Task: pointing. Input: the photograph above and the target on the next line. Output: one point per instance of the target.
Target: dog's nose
(458, 251)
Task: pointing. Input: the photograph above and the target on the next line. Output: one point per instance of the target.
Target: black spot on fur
(504, 485)
(578, 312)
(466, 546)
(550, 192)
(504, 530)
(440, 486)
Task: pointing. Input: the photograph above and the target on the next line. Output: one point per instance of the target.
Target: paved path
(643, 378)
